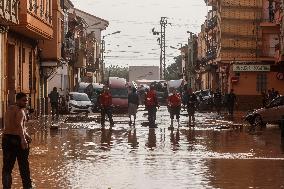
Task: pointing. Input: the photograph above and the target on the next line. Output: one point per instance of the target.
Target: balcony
(211, 24)
(9, 12)
(94, 67)
(35, 20)
(81, 61)
(68, 49)
(210, 2)
(211, 53)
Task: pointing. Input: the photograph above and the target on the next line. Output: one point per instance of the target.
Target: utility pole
(102, 59)
(163, 23)
(191, 60)
(102, 54)
(162, 43)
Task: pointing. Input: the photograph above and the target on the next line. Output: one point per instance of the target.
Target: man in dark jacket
(191, 100)
(231, 102)
(54, 100)
(218, 101)
(133, 103)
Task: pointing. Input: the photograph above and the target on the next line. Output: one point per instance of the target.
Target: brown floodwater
(82, 155)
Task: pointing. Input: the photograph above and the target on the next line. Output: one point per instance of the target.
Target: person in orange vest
(151, 103)
(174, 106)
(105, 101)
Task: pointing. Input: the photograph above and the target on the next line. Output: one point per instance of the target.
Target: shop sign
(251, 68)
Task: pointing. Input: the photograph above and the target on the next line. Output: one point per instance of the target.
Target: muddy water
(82, 155)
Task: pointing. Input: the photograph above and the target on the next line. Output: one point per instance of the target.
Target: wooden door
(11, 74)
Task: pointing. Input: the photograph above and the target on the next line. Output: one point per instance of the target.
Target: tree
(116, 71)
(173, 71)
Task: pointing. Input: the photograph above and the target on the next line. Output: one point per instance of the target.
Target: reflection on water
(85, 156)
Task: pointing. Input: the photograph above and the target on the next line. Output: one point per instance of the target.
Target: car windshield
(202, 93)
(119, 93)
(79, 97)
(98, 90)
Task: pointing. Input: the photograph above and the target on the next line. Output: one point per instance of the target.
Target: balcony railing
(42, 10)
(94, 67)
(212, 23)
(211, 53)
(9, 10)
(210, 2)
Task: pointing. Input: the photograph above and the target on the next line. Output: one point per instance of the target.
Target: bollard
(282, 126)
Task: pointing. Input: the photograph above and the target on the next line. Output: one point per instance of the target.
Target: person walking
(232, 98)
(105, 101)
(191, 100)
(218, 101)
(174, 106)
(151, 103)
(54, 100)
(133, 103)
(15, 143)
(264, 99)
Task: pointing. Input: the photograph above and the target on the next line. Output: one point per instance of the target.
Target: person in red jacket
(151, 103)
(105, 101)
(174, 106)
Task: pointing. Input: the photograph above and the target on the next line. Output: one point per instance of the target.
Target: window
(79, 97)
(261, 82)
(119, 93)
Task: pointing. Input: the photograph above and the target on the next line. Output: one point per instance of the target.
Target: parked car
(270, 114)
(79, 103)
(81, 87)
(204, 99)
(119, 92)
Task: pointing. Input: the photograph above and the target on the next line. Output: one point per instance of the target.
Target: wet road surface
(82, 155)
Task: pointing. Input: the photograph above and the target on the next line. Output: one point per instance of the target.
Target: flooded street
(82, 155)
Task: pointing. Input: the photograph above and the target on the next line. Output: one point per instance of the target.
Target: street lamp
(102, 53)
(95, 24)
(172, 47)
(191, 58)
(111, 34)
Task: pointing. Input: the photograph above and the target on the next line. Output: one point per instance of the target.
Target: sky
(136, 45)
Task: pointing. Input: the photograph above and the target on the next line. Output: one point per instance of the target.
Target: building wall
(247, 84)
(51, 49)
(21, 69)
(2, 61)
(35, 19)
(238, 30)
(60, 80)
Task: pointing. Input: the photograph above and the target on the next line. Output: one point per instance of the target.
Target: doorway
(11, 74)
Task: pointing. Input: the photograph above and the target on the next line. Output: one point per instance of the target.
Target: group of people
(175, 101)
(228, 101)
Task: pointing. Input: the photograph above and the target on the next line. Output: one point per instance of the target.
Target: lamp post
(191, 59)
(102, 53)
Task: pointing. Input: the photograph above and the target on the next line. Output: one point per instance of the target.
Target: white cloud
(136, 18)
